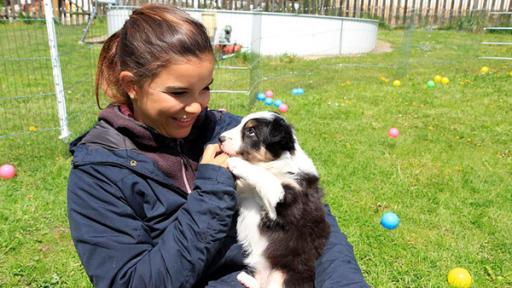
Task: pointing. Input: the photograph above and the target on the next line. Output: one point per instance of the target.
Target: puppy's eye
(250, 131)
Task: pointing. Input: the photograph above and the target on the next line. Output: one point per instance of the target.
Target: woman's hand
(213, 155)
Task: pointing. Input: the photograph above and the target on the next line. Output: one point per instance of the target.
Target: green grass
(448, 176)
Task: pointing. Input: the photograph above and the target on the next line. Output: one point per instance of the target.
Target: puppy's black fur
(298, 235)
(275, 136)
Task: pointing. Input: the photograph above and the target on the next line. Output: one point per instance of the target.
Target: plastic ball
(396, 83)
(297, 91)
(484, 70)
(384, 79)
(268, 101)
(269, 94)
(7, 171)
(260, 96)
(510, 73)
(445, 80)
(278, 103)
(283, 108)
(393, 133)
(431, 84)
(389, 220)
(459, 278)
(438, 78)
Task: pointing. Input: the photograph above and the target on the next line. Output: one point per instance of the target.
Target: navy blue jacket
(132, 227)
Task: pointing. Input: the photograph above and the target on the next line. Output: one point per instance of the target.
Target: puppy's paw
(271, 193)
(237, 166)
(247, 280)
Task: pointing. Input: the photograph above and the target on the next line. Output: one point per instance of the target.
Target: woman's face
(173, 100)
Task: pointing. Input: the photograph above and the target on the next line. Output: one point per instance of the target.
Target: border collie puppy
(281, 222)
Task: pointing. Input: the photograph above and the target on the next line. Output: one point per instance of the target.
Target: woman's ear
(128, 83)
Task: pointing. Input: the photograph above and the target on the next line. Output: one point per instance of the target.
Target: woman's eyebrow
(174, 88)
(180, 88)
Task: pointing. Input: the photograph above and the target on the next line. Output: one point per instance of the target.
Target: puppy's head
(260, 137)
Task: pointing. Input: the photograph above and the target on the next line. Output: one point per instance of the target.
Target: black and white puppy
(281, 222)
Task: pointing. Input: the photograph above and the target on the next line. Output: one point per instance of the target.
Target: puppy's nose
(222, 138)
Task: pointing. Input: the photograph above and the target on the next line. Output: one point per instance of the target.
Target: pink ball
(7, 171)
(283, 108)
(269, 94)
(393, 133)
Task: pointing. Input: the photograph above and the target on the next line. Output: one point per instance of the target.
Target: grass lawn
(448, 176)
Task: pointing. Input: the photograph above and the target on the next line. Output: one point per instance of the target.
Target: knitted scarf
(177, 158)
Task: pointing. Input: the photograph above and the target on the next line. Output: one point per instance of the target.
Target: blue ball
(260, 96)
(269, 101)
(297, 91)
(278, 102)
(389, 220)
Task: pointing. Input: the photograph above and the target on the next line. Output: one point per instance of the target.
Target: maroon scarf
(167, 153)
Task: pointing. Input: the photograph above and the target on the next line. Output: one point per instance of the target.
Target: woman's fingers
(210, 151)
(211, 156)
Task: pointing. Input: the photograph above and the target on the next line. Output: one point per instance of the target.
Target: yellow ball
(510, 73)
(438, 78)
(445, 80)
(459, 278)
(396, 83)
(484, 70)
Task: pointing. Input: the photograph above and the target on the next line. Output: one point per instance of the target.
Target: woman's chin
(177, 132)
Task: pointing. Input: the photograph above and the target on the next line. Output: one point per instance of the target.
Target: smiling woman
(150, 201)
(146, 180)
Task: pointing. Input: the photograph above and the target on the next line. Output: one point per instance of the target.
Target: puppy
(281, 222)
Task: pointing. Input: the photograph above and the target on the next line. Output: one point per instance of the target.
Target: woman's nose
(193, 108)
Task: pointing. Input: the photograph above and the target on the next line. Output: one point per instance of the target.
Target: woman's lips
(185, 122)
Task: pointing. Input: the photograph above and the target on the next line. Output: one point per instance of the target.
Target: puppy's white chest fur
(249, 235)
(259, 188)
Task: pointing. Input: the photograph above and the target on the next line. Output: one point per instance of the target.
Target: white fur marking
(267, 186)
(247, 280)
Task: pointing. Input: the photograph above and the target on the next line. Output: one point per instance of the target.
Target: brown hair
(152, 38)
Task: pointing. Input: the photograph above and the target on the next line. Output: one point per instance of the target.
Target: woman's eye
(178, 93)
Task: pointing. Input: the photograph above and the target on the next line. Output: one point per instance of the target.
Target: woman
(150, 201)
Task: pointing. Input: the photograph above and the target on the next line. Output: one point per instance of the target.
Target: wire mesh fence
(27, 82)
(27, 95)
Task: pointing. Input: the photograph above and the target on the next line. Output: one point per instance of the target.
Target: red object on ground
(7, 171)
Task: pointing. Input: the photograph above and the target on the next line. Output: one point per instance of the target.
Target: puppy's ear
(281, 137)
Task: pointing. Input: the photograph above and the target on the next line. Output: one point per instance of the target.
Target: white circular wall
(279, 33)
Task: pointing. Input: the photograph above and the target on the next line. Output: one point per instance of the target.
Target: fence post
(57, 73)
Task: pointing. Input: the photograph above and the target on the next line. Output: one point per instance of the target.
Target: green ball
(431, 84)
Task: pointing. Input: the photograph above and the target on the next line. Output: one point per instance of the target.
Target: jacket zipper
(185, 165)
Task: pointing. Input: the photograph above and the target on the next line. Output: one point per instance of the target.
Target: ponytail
(108, 70)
